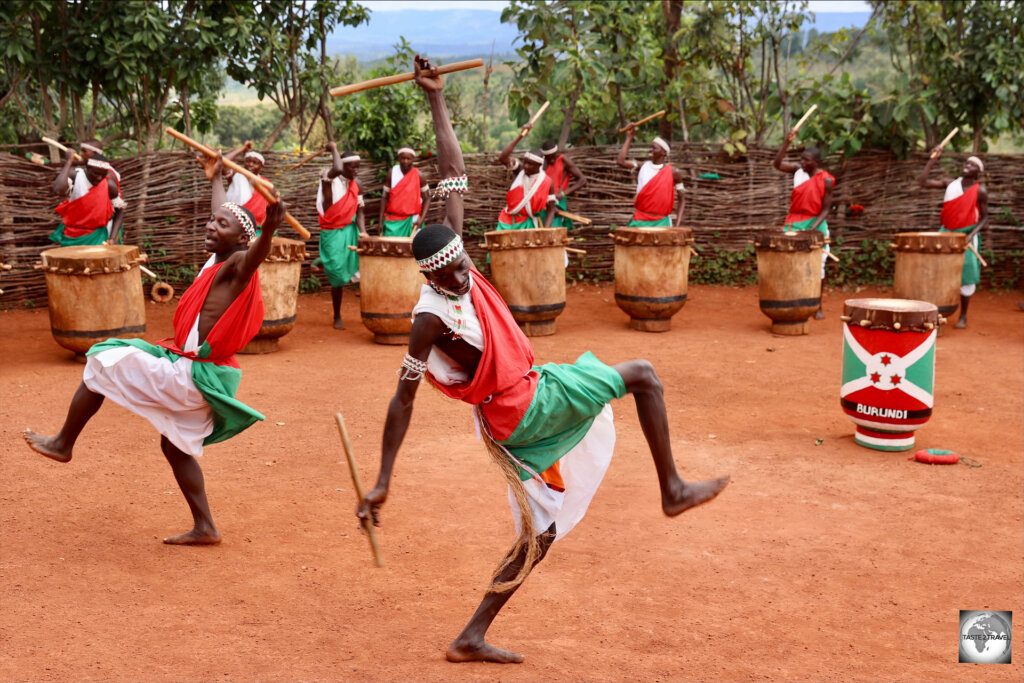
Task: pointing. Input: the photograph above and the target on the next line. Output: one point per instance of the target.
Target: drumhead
(91, 257)
(901, 315)
(930, 242)
(653, 237)
(284, 249)
(796, 240)
(528, 238)
(372, 245)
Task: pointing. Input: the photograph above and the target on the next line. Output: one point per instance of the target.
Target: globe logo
(985, 637)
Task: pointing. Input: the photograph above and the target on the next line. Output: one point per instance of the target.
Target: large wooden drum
(928, 268)
(94, 293)
(389, 287)
(528, 270)
(888, 369)
(652, 275)
(789, 277)
(279, 283)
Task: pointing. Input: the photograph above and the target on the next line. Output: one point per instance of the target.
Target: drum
(789, 277)
(94, 293)
(928, 268)
(652, 274)
(528, 270)
(279, 283)
(389, 287)
(888, 369)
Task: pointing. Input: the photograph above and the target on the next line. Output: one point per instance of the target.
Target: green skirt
(340, 263)
(398, 228)
(665, 222)
(806, 225)
(972, 266)
(97, 236)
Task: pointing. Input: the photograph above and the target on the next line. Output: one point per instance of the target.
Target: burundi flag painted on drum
(888, 384)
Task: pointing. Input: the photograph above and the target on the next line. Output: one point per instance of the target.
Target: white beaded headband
(549, 150)
(243, 218)
(253, 154)
(533, 157)
(96, 163)
(661, 143)
(349, 158)
(92, 148)
(976, 160)
(405, 150)
(442, 258)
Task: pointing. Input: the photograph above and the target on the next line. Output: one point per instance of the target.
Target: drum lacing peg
(897, 324)
(942, 320)
(865, 323)
(928, 325)
(87, 270)
(846, 318)
(54, 269)
(38, 266)
(893, 245)
(106, 269)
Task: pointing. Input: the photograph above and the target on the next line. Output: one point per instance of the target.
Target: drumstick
(309, 158)
(936, 152)
(147, 272)
(572, 250)
(980, 258)
(694, 251)
(261, 185)
(832, 256)
(51, 141)
(367, 523)
(401, 78)
(803, 118)
(643, 120)
(574, 217)
(533, 119)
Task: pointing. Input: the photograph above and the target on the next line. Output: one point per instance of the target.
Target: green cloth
(665, 222)
(97, 236)
(710, 176)
(522, 225)
(398, 228)
(972, 266)
(217, 383)
(567, 400)
(806, 225)
(340, 263)
(558, 221)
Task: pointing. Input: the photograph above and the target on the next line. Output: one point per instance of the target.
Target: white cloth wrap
(339, 188)
(646, 172)
(530, 183)
(444, 369)
(239, 189)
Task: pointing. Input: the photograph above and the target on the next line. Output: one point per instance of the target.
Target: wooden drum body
(652, 275)
(789, 277)
(94, 292)
(279, 283)
(888, 369)
(389, 287)
(928, 268)
(528, 270)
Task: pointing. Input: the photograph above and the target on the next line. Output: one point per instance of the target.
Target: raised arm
(934, 183)
(60, 183)
(450, 163)
(505, 158)
(780, 162)
(213, 169)
(259, 248)
(624, 150)
(578, 179)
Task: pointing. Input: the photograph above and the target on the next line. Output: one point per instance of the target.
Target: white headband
(981, 166)
(91, 148)
(243, 218)
(443, 257)
(405, 149)
(549, 150)
(96, 163)
(350, 157)
(253, 154)
(533, 157)
(661, 143)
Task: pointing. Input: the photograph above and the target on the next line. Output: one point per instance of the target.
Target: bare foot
(692, 495)
(819, 314)
(195, 537)
(338, 325)
(464, 651)
(47, 445)
(961, 324)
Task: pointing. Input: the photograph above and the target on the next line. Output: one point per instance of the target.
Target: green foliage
(1016, 276)
(310, 285)
(235, 125)
(717, 266)
(871, 264)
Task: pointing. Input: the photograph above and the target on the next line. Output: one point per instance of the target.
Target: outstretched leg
(676, 495)
(84, 405)
(471, 646)
(336, 293)
(962, 322)
(189, 476)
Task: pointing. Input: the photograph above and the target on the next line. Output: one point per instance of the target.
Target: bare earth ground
(819, 562)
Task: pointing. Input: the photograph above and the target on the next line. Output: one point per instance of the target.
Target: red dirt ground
(819, 562)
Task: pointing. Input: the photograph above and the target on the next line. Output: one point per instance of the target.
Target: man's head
(550, 151)
(254, 162)
(532, 161)
(810, 159)
(659, 151)
(406, 157)
(231, 226)
(91, 148)
(972, 168)
(349, 165)
(442, 259)
(97, 168)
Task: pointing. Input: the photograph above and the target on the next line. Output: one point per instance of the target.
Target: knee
(642, 377)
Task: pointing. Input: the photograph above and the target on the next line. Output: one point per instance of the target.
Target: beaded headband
(976, 160)
(253, 154)
(533, 157)
(96, 163)
(661, 143)
(443, 257)
(92, 148)
(406, 150)
(243, 218)
(549, 150)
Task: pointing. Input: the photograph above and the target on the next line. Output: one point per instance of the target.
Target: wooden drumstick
(981, 259)
(51, 141)
(643, 120)
(936, 152)
(832, 256)
(303, 162)
(357, 483)
(804, 118)
(533, 119)
(401, 78)
(573, 250)
(147, 272)
(261, 185)
(576, 218)
(694, 251)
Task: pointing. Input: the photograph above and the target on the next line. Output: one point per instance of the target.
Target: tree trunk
(276, 133)
(672, 10)
(569, 113)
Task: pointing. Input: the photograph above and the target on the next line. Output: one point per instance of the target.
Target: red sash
(805, 201)
(961, 212)
(87, 213)
(655, 200)
(235, 328)
(405, 199)
(504, 382)
(559, 178)
(257, 205)
(538, 202)
(341, 213)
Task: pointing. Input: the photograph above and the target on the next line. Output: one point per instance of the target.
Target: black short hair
(814, 152)
(431, 239)
(549, 144)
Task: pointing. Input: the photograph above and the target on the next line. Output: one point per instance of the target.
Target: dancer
(342, 222)
(656, 180)
(92, 211)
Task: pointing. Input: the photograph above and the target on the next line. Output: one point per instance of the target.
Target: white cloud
(826, 6)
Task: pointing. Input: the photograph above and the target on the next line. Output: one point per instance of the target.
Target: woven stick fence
(167, 213)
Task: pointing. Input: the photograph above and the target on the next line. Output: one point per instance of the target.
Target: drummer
(657, 184)
(964, 209)
(566, 178)
(406, 198)
(240, 190)
(530, 200)
(811, 199)
(342, 222)
(92, 211)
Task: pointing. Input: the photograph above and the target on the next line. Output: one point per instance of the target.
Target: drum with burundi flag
(888, 369)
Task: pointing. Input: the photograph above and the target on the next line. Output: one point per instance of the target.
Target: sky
(816, 6)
